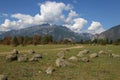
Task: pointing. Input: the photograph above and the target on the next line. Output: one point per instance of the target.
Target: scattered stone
(94, 55)
(15, 52)
(85, 51)
(61, 54)
(23, 58)
(61, 62)
(85, 59)
(33, 59)
(11, 57)
(36, 57)
(114, 55)
(101, 52)
(50, 70)
(80, 54)
(73, 58)
(3, 77)
(31, 51)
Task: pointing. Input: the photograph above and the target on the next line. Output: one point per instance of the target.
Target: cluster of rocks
(15, 56)
(61, 61)
(83, 56)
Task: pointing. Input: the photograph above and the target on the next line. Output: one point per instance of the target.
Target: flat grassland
(100, 68)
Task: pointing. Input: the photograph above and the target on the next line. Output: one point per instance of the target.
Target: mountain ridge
(111, 34)
(58, 32)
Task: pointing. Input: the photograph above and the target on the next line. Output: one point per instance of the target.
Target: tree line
(48, 39)
(25, 40)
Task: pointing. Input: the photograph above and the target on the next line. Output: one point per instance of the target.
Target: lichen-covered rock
(85, 59)
(93, 55)
(22, 58)
(61, 62)
(3, 77)
(50, 70)
(11, 57)
(73, 58)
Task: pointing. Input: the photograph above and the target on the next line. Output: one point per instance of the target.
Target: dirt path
(25, 51)
(74, 47)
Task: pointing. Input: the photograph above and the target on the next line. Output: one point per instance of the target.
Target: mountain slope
(58, 32)
(112, 33)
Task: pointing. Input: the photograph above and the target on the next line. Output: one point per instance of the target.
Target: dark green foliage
(47, 39)
(36, 39)
(15, 41)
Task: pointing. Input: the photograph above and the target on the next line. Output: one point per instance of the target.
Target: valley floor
(103, 67)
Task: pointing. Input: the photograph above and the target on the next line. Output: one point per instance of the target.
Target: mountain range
(62, 32)
(58, 32)
(111, 34)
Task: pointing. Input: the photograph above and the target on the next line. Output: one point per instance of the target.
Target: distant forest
(48, 39)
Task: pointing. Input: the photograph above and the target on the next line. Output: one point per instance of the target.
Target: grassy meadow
(100, 68)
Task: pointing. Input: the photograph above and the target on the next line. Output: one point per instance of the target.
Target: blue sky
(105, 12)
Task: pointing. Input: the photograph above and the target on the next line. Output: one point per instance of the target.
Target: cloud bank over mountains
(53, 13)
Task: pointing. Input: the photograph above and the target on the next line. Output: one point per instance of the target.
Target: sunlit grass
(101, 68)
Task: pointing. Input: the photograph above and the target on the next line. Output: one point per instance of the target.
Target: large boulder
(3, 77)
(61, 62)
(50, 70)
(23, 58)
(93, 55)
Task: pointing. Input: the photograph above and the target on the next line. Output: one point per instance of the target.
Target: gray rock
(3, 77)
(73, 58)
(11, 57)
(33, 59)
(36, 57)
(80, 54)
(114, 55)
(61, 62)
(85, 59)
(61, 54)
(22, 58)
(93, 55)
(15, 52)
(101, 52)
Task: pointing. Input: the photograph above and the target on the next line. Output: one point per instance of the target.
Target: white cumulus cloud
(78, 24)
(95, 27)
(53, 13)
